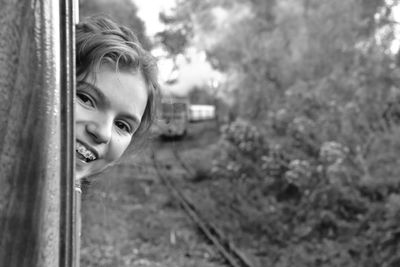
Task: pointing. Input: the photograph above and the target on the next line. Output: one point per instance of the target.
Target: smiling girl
(115, 93)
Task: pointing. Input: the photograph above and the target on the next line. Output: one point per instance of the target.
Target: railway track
(232, 255)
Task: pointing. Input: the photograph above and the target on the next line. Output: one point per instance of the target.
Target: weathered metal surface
(31, 128)
(69, 238)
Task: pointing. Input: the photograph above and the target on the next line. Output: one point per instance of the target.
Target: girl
(115, 94)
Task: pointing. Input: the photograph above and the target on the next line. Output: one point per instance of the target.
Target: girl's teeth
(86, 153)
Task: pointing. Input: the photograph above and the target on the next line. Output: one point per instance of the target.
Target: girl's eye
(85, 99)
(123, 126)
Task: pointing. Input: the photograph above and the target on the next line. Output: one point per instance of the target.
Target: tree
(313, 157)
(175, 38)
(269, 46)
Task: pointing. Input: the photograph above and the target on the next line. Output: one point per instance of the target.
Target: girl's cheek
(83, 114)
(79, 112)
(118, 147)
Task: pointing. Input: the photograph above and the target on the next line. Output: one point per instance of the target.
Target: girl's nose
(100, 131)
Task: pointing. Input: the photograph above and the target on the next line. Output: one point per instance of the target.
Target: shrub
(324, 198)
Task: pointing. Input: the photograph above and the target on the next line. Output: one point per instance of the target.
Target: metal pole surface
(35, 130)
(69, 237)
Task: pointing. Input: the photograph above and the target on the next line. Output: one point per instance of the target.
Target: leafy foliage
(312, 162)
(312, 209)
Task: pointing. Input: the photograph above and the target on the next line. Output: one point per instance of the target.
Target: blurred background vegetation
(309, 154)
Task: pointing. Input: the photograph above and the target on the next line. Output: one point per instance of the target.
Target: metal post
(69, 238)
(36, 133)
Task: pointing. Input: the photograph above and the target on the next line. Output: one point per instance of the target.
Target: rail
(233, 256)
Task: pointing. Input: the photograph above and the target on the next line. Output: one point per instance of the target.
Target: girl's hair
(99, 40)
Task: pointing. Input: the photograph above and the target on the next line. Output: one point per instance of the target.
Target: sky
(396, 17)
(148, 11)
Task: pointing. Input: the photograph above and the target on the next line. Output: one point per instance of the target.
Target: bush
(322, 185)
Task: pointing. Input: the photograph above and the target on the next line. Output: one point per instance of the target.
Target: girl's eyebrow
(96, 91)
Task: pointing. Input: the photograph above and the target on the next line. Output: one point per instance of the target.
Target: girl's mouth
(82, 158)
(83, 153)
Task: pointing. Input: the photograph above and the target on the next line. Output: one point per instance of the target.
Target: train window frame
(70, 218)
(39, 212)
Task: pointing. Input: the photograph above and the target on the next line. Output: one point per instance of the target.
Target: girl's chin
(85, 170)
(79, 175)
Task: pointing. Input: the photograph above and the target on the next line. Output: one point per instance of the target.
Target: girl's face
(109, 109)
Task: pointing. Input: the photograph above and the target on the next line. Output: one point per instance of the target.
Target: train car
(201, 112)
(174, 116)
